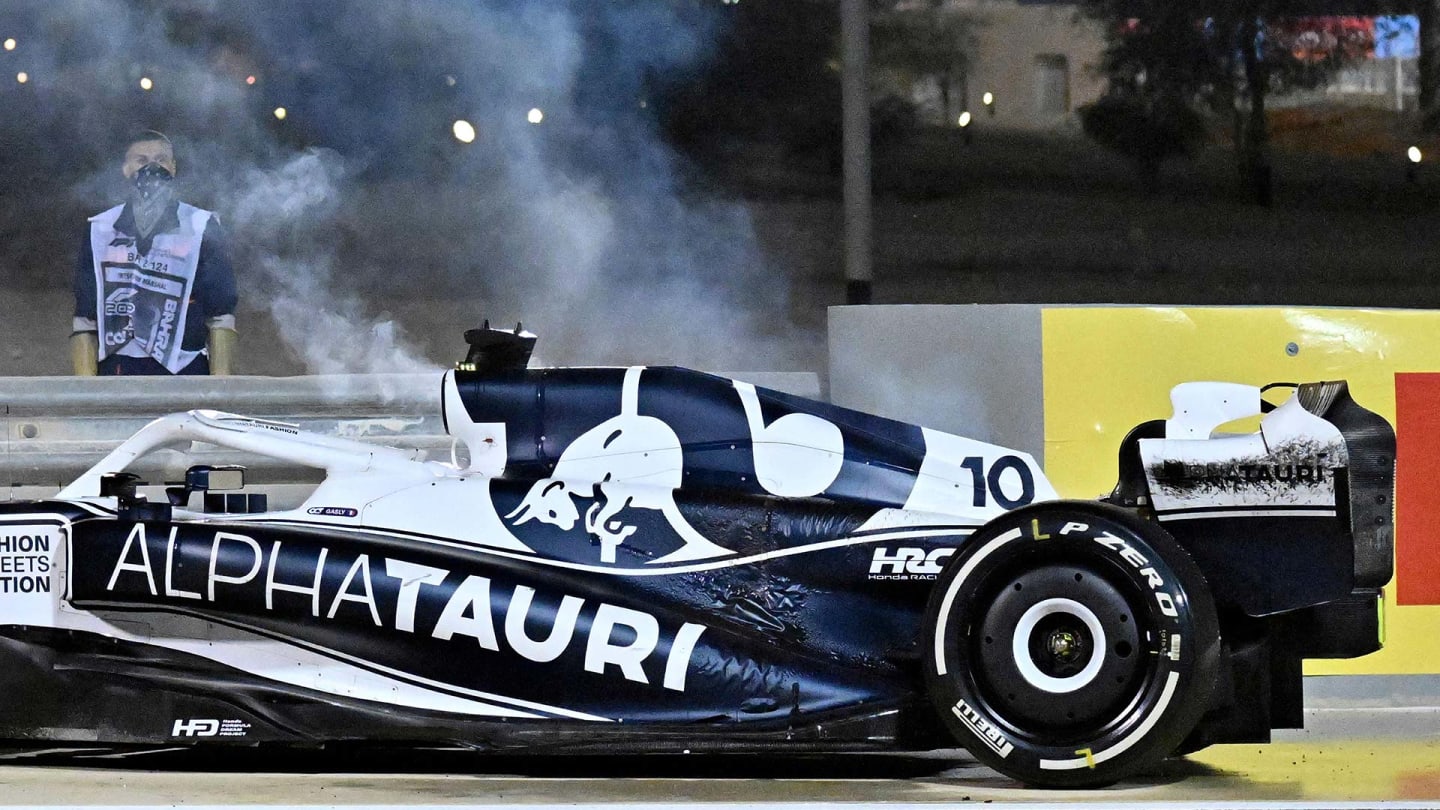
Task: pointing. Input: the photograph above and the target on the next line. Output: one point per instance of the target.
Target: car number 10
(989, 483)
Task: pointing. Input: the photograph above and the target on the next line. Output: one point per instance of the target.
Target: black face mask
(152, 196)
(152, 180)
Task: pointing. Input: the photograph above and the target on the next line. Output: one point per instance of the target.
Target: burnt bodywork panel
(1268, 562)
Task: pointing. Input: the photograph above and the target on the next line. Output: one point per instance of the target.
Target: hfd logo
(196, 728)
(908, 563)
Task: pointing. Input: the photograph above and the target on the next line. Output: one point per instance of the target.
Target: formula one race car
(660, 560)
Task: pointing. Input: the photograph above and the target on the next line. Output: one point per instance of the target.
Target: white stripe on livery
(1224, 513)
(708, 565)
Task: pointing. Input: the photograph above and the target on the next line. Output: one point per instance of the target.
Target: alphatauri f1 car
(653, 559)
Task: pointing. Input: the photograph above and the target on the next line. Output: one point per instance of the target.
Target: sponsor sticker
(451, 608)
(209, 727)
(908, 564)
(25, 558)
(333, 511)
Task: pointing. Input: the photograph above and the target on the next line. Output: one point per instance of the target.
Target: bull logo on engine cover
(629, 461)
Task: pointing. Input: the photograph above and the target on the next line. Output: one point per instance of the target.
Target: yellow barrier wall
(1108, 369)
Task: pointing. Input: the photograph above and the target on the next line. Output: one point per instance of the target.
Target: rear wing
(1315, 482)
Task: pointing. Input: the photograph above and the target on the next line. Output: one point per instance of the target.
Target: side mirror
(205, 478)
(216, 479)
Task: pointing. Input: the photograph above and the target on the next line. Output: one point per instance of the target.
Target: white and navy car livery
(655, 559)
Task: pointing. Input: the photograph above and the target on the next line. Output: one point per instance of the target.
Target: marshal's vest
(142, 299)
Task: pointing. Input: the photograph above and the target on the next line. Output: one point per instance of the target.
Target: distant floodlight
(145, 83)
(1414, 154)
(988, 99)
(22, 77)
(464, 131)
(964, 119)
(10, 44)
(280, 113)
(535, 116)
(249, 79)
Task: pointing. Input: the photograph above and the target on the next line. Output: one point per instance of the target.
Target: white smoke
(320, 317)
(359, 220)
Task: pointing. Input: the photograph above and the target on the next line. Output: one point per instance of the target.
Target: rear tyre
(1070, 644)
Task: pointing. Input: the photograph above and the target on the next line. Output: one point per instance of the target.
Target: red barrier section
(1417, 489)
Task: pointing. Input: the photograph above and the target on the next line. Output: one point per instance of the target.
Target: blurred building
(1040, 60)
(1381, 58)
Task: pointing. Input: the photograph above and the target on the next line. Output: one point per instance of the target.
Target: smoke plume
(366, 236)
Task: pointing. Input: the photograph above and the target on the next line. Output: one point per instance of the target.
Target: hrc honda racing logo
(908, 564)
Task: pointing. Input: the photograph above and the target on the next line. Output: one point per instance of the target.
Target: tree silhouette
(1168, 60)
(929, 38)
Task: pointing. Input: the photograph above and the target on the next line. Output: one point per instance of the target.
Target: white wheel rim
(1020, 645)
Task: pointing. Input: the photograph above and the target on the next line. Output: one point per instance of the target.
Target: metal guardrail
(55, 428)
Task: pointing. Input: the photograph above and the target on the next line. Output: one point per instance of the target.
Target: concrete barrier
(971, 370)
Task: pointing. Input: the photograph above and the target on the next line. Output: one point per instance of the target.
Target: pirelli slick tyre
(1070, 644)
